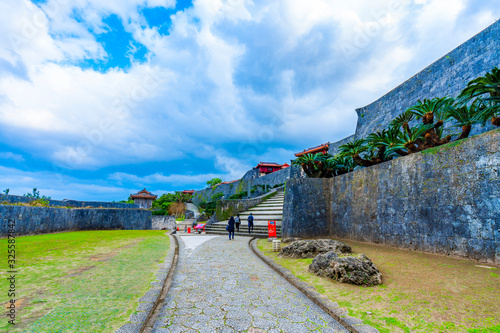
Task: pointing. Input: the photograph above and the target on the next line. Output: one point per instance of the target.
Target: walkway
(221, 286)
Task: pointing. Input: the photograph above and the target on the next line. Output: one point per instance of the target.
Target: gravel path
(221, 286)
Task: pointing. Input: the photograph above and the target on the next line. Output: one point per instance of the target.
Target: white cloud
(250, 74)
(11, 156)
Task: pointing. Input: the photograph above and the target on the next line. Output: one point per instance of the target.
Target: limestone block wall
(159, 222)
(249, 179)
(39, 220)
(228, 208)
(443, 200)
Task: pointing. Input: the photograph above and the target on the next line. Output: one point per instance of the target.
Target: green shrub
(237, 196)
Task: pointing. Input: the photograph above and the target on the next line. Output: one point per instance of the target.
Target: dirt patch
(103, 256)
(110, 255)
(19, 303)
(78, 271)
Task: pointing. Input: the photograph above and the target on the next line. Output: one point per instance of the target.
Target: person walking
(250, 222)
(230, 227)
(237, 220)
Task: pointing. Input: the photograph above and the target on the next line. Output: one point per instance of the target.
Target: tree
(484, 85)
(466, 116)
(214, 181)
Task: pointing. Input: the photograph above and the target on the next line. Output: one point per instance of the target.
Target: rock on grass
(312, 247)
(354, 269)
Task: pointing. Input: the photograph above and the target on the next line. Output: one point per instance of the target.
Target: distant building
(314, 150)
(189, 192)
(270, 167)
(144, 199)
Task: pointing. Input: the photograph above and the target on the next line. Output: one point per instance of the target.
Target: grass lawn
(86, 281)
(421, 292)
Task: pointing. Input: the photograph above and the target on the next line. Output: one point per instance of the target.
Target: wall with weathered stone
(158, 222)
(227, 208)
(443, 200)
(68, 203)
(251, 178)
(40, 220)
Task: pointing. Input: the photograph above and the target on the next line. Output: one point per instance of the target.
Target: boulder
(312, 247)
(289, 239)
(354, 269)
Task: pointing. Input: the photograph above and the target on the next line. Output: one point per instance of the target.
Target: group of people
(235, 222)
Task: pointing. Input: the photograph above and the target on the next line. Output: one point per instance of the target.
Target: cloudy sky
(99, 99)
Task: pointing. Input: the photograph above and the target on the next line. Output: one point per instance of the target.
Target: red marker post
(271, 229)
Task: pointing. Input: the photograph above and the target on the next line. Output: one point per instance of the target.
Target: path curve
(221, 286)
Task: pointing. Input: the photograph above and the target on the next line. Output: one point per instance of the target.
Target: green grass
(88, 281)
(421, 292)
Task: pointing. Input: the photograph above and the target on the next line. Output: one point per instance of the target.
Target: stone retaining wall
(249, 179)
(159, 222)
(443, 200)
(228, 208)
(39, 220)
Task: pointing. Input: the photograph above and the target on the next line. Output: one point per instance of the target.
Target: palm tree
(354, 149)
(466, 116)
(404, 143)
(487, 84)
(431, 110)
(313, 165)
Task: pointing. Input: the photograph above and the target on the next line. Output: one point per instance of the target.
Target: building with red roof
(314, 150)
(270, 167)
(144, 198)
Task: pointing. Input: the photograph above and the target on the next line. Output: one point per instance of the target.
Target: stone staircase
(269, 210)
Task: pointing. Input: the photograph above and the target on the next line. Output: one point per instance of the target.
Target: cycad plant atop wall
(477, 103)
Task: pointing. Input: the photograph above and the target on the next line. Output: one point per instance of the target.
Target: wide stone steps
(269, 210)
(265, 209)
(262, 217)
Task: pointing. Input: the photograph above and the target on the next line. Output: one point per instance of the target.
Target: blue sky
(101, 99)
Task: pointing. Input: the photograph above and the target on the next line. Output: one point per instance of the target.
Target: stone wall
(448, 76)
(251, 178)
(443, 200)
(228, 208)
(68, 203)
(40, 220)
(159, 222)
(333, 148)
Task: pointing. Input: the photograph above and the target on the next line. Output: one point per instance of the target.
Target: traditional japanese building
(314, 150)
(270, 167)
(144, 199)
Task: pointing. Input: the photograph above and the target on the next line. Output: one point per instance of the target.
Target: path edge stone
(155, 310)
(352, 324)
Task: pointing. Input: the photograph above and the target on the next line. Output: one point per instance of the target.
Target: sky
(100, 99)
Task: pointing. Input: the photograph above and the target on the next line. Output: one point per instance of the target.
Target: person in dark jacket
(230, 227)
(250, 222)
(238, 222)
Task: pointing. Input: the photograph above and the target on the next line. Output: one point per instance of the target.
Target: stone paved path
(221, 286)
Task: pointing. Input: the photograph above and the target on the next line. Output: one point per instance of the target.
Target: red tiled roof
(188, 191)
(144, 194)
(313, 150)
